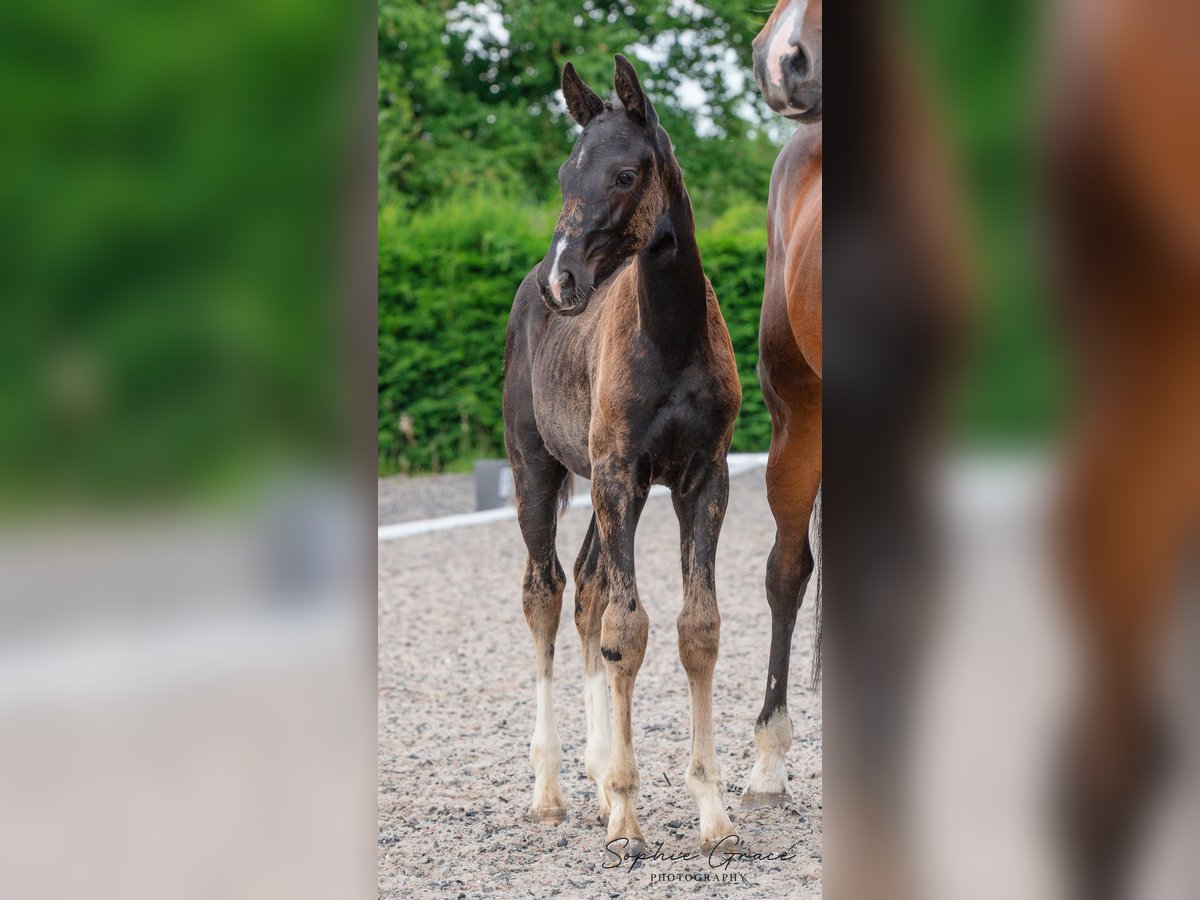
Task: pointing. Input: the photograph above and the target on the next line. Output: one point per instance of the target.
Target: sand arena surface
(456, 711)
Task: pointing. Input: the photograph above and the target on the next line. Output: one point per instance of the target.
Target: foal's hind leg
(590, 602)
(793, 476)
(538, 478)
(701, 512)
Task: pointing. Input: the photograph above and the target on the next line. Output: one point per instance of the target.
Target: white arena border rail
(739, 464)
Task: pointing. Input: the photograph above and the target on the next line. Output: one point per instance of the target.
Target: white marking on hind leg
(555, 287)
(545, 754)
(769, 775)
(599, 736)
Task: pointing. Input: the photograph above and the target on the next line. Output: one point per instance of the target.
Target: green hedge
(447, 276)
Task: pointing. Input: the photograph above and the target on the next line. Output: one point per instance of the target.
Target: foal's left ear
(629, 91)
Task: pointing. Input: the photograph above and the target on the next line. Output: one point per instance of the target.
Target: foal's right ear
(582, 102)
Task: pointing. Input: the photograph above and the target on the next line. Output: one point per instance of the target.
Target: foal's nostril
(567, 282)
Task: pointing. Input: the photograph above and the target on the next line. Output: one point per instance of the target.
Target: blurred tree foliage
(467, 92)
(983, 66)
(169, 185)
(471, 134)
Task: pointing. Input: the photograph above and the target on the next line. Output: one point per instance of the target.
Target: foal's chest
(665, 418)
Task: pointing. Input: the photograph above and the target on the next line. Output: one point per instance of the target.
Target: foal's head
(617, 188)
(787, 60)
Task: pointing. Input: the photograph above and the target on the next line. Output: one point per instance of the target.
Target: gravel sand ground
(424, 497)
(456, 710)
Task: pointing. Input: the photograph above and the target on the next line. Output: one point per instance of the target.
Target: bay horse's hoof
(753, 800)
(548, 815)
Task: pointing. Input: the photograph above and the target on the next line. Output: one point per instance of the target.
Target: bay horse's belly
(802, 282)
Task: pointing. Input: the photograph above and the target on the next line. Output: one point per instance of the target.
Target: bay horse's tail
(814, 538)
(565, 492)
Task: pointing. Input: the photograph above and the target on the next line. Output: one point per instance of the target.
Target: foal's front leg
(701, 512)
(624, 629)
(538, 478)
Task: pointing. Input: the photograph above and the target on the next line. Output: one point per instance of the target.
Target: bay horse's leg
(590, 602)
(793, 477)
(701, 512)
(624, 628)
(538, 477)
(1126, 534)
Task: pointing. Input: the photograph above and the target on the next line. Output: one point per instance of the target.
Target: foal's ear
(582, 102)
(629, 91)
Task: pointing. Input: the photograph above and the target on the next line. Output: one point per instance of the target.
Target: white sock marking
(545, 751)
(769, 775)
(599, 739)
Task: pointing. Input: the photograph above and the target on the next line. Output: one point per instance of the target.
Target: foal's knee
(699, 627)
(589, 592)
(541, 594)
(624, 631)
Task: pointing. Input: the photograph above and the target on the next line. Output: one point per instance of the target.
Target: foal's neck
(672, 297)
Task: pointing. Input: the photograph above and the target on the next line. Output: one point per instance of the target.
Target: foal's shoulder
(720, 354)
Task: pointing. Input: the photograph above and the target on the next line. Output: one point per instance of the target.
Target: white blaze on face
(781, 40)
(555, 287)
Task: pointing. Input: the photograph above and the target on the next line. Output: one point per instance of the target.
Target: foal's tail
(565, 491)
(814, 539)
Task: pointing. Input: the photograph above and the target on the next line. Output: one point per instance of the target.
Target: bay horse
(901, 283)
(619, 368)
(1124, 195)
(787, 66)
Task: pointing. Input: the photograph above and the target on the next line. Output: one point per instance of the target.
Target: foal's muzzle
(569, 294)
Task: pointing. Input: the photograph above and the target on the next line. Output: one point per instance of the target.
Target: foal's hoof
(548, 815)
(720, 847)
(755, 800)
(620, 849)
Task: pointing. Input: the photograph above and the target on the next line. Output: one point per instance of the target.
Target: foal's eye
(626, 178)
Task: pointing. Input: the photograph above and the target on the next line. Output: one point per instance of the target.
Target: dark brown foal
(787, 62)
(619, 368)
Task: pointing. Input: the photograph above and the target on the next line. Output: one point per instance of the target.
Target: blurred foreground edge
(896, 306)
(1010, 649)
(187, 451)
